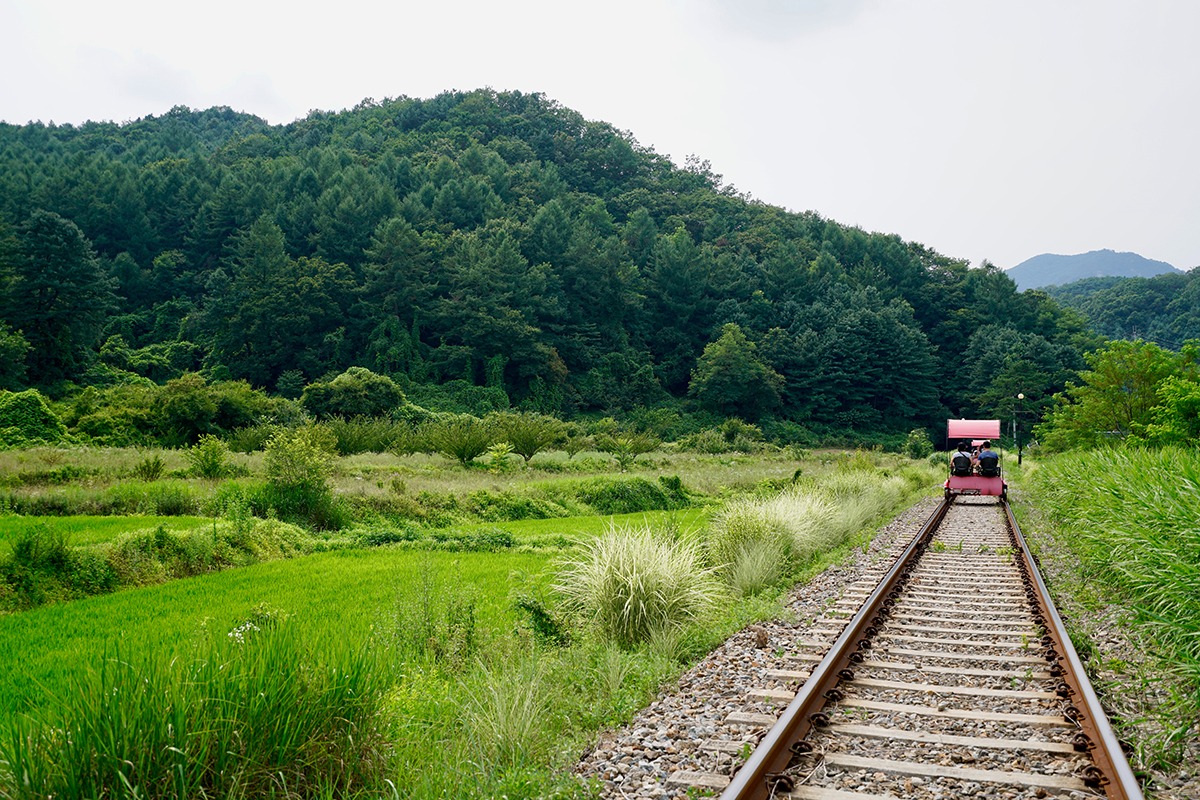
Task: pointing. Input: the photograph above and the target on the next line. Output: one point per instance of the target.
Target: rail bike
(979, 478)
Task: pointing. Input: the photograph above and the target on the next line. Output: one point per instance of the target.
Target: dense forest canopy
(495, 246)
(1163, 309)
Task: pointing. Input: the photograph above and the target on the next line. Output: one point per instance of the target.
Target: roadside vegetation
(1127, 517)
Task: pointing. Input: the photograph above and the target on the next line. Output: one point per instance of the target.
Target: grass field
(488, 684)
(90, 529)
(343, 594)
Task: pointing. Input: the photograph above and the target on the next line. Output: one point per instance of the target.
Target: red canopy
(973, 429)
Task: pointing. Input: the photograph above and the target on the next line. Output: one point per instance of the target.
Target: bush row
(43, 568)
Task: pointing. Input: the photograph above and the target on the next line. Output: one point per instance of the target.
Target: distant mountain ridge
(1049, 269)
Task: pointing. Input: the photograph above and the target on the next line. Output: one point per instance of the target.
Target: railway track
(950, 676)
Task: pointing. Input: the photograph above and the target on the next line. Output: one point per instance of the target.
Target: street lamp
(1016, 430)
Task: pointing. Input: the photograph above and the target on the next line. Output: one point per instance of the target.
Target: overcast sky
(984, 129)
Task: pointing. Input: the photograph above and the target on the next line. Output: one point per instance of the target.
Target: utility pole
(1017, 430)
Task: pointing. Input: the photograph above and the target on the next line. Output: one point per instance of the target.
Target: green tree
(57, 295)
(459, 436)
(275, 313)
(1118, 394)
(13, 351)
(1177, 416)
(527, 433)
(730, 380)
(999, 363)
(298, 464)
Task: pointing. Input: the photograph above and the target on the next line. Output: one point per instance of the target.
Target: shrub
(625, 448)
(364, 434)
(298, 464)
(629, 495)
(918, 445)
(377, 537)
(503, 506)
(541, 621)
(460, 437)
(149, 468)
(732, 436)
(303, 456)
(208, 458)
(251, 438)
(630, 583)
(357, 392)
(528, 433)
(26, 419)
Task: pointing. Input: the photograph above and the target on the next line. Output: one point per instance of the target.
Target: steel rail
(1113, 772)
(762, 776)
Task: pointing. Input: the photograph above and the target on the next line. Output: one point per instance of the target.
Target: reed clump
(1132, 514)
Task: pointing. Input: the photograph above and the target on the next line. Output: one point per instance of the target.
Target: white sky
(986, 129)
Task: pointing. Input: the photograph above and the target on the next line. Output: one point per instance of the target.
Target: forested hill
(484, 248)
(1163, 309)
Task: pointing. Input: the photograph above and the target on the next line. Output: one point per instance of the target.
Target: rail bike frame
(976, 430)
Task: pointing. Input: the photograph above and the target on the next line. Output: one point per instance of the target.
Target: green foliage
(918, 444)
(482, 250)
(43, 567)
(459, 436)
(631, 582)
(176, 414)
(13, 350)
(149, 468)
(26, 419)
(729, 379)
(1161, 309)
(627, 495)
(508, 712)
(528, 433)
(754, 542)
(434, 620)
(368, 435)
(246, 711)
(1118, 395)
(733, 436)
(298, 464)
(541, 622)
(497, 456)
(1177, 416)
(626, 447)
(57, 295)
(357, 392)
(1129, 516)
(209, 458)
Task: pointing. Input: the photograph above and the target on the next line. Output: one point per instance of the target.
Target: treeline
(486, 250)
(1164, 309)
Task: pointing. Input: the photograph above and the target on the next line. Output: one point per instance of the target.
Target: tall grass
(755, 542)
(507, 710)
(631, 582)
(256, 712)
(1132, 517)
